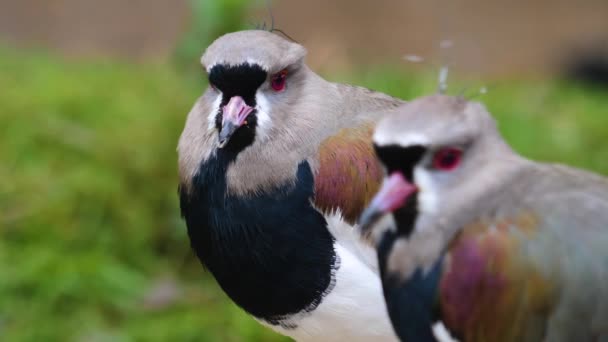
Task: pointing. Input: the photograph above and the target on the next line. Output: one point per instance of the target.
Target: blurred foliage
(209, 20)
(91, 243)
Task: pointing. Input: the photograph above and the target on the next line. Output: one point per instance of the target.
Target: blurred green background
(92, 247)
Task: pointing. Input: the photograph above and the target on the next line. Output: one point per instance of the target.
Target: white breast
(353, 311)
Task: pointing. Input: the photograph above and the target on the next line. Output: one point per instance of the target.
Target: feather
(349, 173)
(491, 289)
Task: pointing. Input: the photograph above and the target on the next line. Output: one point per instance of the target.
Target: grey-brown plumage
(500, 248)
(275, 165)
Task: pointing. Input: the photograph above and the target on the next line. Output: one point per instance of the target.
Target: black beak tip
(225, 133)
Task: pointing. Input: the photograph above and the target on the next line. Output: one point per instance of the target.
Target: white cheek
(381, 137)
(427, 195)
(215, 107)
(263, 114)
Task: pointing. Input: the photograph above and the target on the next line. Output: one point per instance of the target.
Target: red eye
(278, 81)
(447, 159)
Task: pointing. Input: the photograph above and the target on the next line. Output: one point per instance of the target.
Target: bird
(275, 166)
(469, 233)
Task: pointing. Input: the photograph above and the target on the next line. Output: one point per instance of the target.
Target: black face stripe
(399, 158)
(237, 80)
(402, 159)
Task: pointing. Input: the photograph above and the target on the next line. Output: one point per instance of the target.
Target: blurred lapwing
(497, 247)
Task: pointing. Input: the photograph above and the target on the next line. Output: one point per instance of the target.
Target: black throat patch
(272, 252)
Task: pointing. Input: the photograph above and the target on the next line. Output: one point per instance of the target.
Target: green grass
(89, 219)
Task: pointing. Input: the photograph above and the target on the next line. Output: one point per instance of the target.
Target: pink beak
(234, 115)
(393, 194)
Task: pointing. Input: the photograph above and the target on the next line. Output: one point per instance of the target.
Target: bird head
(441, 155)
(253, 79)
